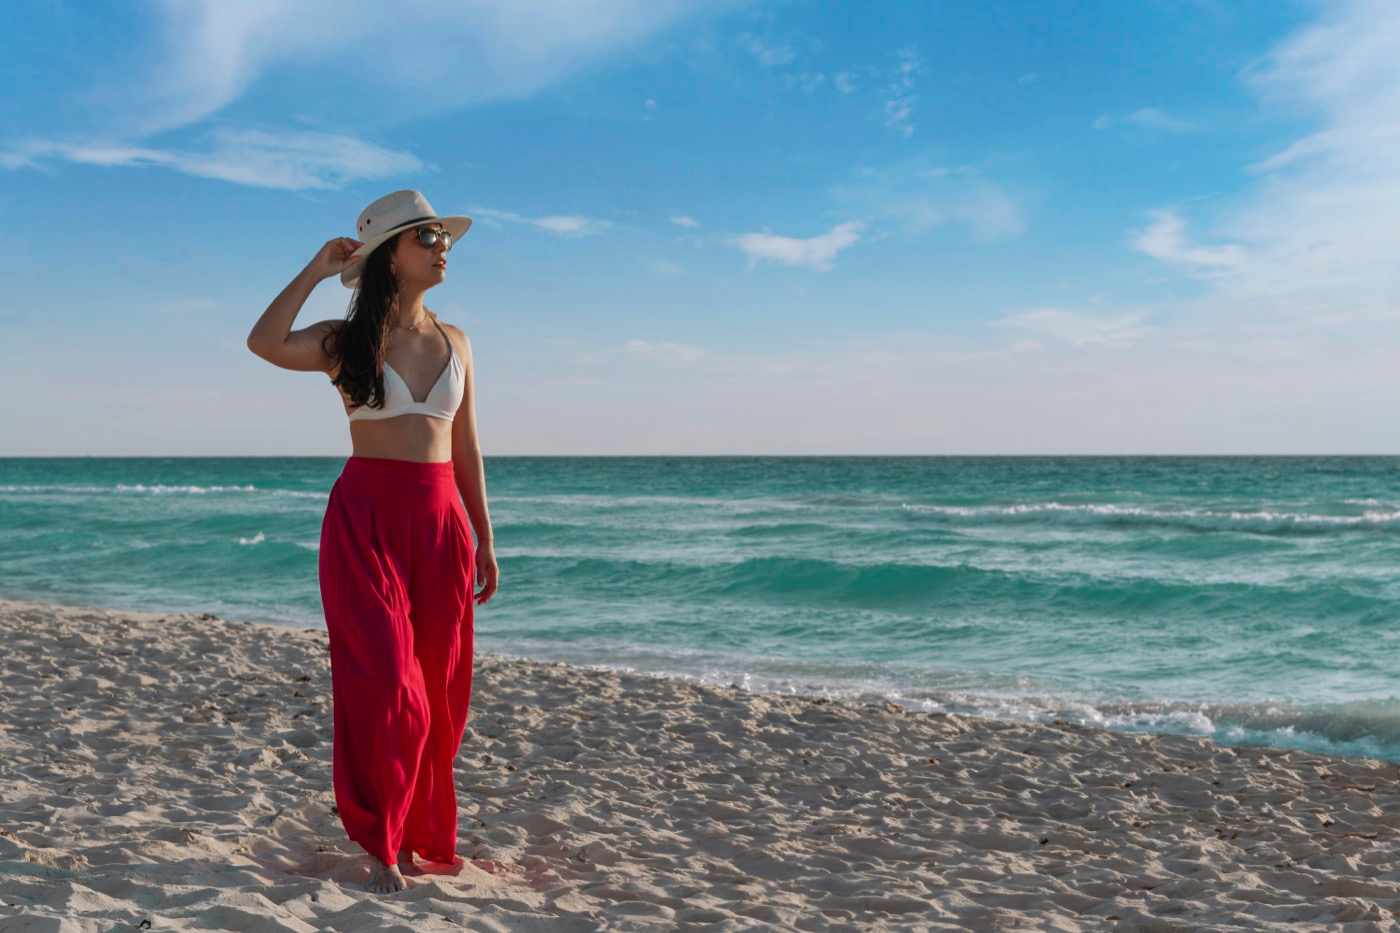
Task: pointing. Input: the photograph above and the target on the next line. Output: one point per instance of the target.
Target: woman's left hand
(487, 573)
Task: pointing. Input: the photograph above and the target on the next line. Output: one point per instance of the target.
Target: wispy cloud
(900, 98)
(562, 224)
(571, 224)
(1147, 118)
(920, 197)
(1078, 328)
(1310, 225)
(767, 54)
(288, 160)
(844, 81)
(808, 81)
(663, 351)
(812, 252)
(209, 52)
(685, 220)
(1299, 246)
(1165, 239)
(196, 57)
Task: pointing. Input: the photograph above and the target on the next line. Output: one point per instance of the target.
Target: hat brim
(456, 225)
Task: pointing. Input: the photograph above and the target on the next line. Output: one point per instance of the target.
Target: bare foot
(385, 879)
(406, 863)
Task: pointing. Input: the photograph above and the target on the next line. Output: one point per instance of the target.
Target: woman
(397, 563)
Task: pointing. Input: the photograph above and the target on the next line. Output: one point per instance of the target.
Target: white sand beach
(172, 771)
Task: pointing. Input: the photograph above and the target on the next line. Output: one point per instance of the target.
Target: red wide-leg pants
(396, 571)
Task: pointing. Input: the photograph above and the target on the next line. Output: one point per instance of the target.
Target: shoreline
(175, 767)
(1263, 723)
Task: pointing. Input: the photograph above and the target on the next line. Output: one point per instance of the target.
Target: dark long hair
(358, 343)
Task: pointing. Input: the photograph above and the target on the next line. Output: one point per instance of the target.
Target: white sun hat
(385, 217)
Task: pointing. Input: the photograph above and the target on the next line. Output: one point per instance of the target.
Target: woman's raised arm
(272, 337)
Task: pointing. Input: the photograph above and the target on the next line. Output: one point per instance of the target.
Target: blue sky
(1034, 227)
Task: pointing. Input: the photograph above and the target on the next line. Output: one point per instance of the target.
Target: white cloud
(1315, 223)
(196, 57)
(1165, 239)
(685, 220)
(919, 198)
(765, 53)
(1147, 118)
(1079, 328)
(649, 103)
(985, 208)
(943, 171)
(562, 224)
(808, 81)
(1301, 243)
(1151, 118)
(900, 97)
(571, 224)
(666, 352)
(288, 160)
(210, 52)
(844, 81)
(813, 252)
(20, 156)
(899, 111)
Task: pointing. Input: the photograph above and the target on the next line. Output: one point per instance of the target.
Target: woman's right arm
(272, 337)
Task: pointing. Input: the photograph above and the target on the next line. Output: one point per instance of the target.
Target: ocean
(1253, 600)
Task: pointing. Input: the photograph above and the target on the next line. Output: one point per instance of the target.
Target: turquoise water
(1254, 600)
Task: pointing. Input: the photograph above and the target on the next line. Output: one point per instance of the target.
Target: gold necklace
(414, 330)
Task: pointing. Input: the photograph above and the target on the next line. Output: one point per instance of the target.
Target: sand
(172, 771)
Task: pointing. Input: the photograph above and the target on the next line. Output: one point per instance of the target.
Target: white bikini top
(442, 399)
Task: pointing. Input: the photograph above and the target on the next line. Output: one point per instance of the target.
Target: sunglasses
(428, 237)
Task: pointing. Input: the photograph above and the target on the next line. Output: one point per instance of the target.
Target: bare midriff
(407, 437)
